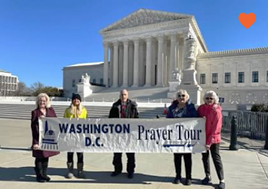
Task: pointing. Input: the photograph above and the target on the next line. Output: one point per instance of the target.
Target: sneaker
(130, 175)
(176, 180)
(221, 185)
(188, 182)
(114, 174)
(206, 181)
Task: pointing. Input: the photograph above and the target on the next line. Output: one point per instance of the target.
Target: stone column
(115, 68)
(141, 64)
(105, 66)
(172, 55)
(130, 64)
(111, 65)
(148, 82)
(120, 64)
(160, 60)
(125, 66)
(136, 64)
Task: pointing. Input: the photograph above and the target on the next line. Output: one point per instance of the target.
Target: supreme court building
(145, 48)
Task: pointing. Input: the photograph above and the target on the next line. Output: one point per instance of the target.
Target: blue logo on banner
(49, 141)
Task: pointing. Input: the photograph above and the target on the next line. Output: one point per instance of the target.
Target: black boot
(44, 166)
(80, 173)
(38, 171)
(70, 167)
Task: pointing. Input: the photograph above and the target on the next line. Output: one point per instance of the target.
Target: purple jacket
(35, 132)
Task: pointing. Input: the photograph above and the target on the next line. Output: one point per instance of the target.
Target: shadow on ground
(26, 174)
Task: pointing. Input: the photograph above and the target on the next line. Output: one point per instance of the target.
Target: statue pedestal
(83, 89)
(189, 77)
(189, 84)
(194, 91)
(173, 88)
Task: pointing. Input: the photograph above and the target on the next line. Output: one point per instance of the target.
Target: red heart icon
(247, 19)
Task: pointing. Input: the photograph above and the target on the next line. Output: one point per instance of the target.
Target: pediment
(143, 17)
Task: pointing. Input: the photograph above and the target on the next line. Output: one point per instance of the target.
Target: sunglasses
(181, 96)
(209, 98)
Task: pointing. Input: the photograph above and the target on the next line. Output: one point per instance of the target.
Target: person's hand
(207, 147)
(35, 147)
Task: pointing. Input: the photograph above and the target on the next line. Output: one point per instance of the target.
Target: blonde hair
(182, 91)
(76, 111)
(213, 95)
(38, 98)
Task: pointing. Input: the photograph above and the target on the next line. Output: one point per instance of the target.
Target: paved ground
(245, 168)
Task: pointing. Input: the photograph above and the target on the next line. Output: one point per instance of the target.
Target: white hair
(213, 95)
(182, 91)
(38, 98)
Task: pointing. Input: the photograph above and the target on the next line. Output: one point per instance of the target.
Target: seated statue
(87, 78)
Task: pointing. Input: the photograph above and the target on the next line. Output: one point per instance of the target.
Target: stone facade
(72, 76)
(8, 83)
(146, 47)
(239, 76)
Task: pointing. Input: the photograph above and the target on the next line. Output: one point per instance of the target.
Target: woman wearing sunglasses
(212, 111)
(181, 108)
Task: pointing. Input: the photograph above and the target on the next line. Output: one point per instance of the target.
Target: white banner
(184, 135)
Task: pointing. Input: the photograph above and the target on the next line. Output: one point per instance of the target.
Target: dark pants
(70, 157)
(187, 162)
(41, 165)
(117, 162)
(215, 153)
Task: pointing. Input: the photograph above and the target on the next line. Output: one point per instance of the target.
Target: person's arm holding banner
(34, 128)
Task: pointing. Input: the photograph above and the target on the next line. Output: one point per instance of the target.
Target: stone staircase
(23, 111)
(139, 94)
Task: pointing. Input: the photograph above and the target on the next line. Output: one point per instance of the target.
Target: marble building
(8, 83)
(144, 48)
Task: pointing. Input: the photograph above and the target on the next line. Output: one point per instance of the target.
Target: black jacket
(131, 109)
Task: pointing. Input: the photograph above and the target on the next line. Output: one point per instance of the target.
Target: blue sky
(38, 38)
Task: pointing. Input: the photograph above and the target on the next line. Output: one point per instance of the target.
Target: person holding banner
(124, 108)
(182, 108)
(43, 109)
(212, 111)
(75, 110)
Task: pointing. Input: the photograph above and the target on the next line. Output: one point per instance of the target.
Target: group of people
(181, 107)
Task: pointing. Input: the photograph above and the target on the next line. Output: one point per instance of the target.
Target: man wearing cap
(124, 108)
(75, 110)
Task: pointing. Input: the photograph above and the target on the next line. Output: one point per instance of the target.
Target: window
(255, 77)
(101, 81)
(228, 77)
(94, 80)
(73, 83)
(241, 77)
(214, 77)
(202, 78)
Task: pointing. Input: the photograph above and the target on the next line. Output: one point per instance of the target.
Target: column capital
(125, 42)
(105, 43)
(160, 38)
(136, 41)
(148, 39)
(173, 36)
(115, 43)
